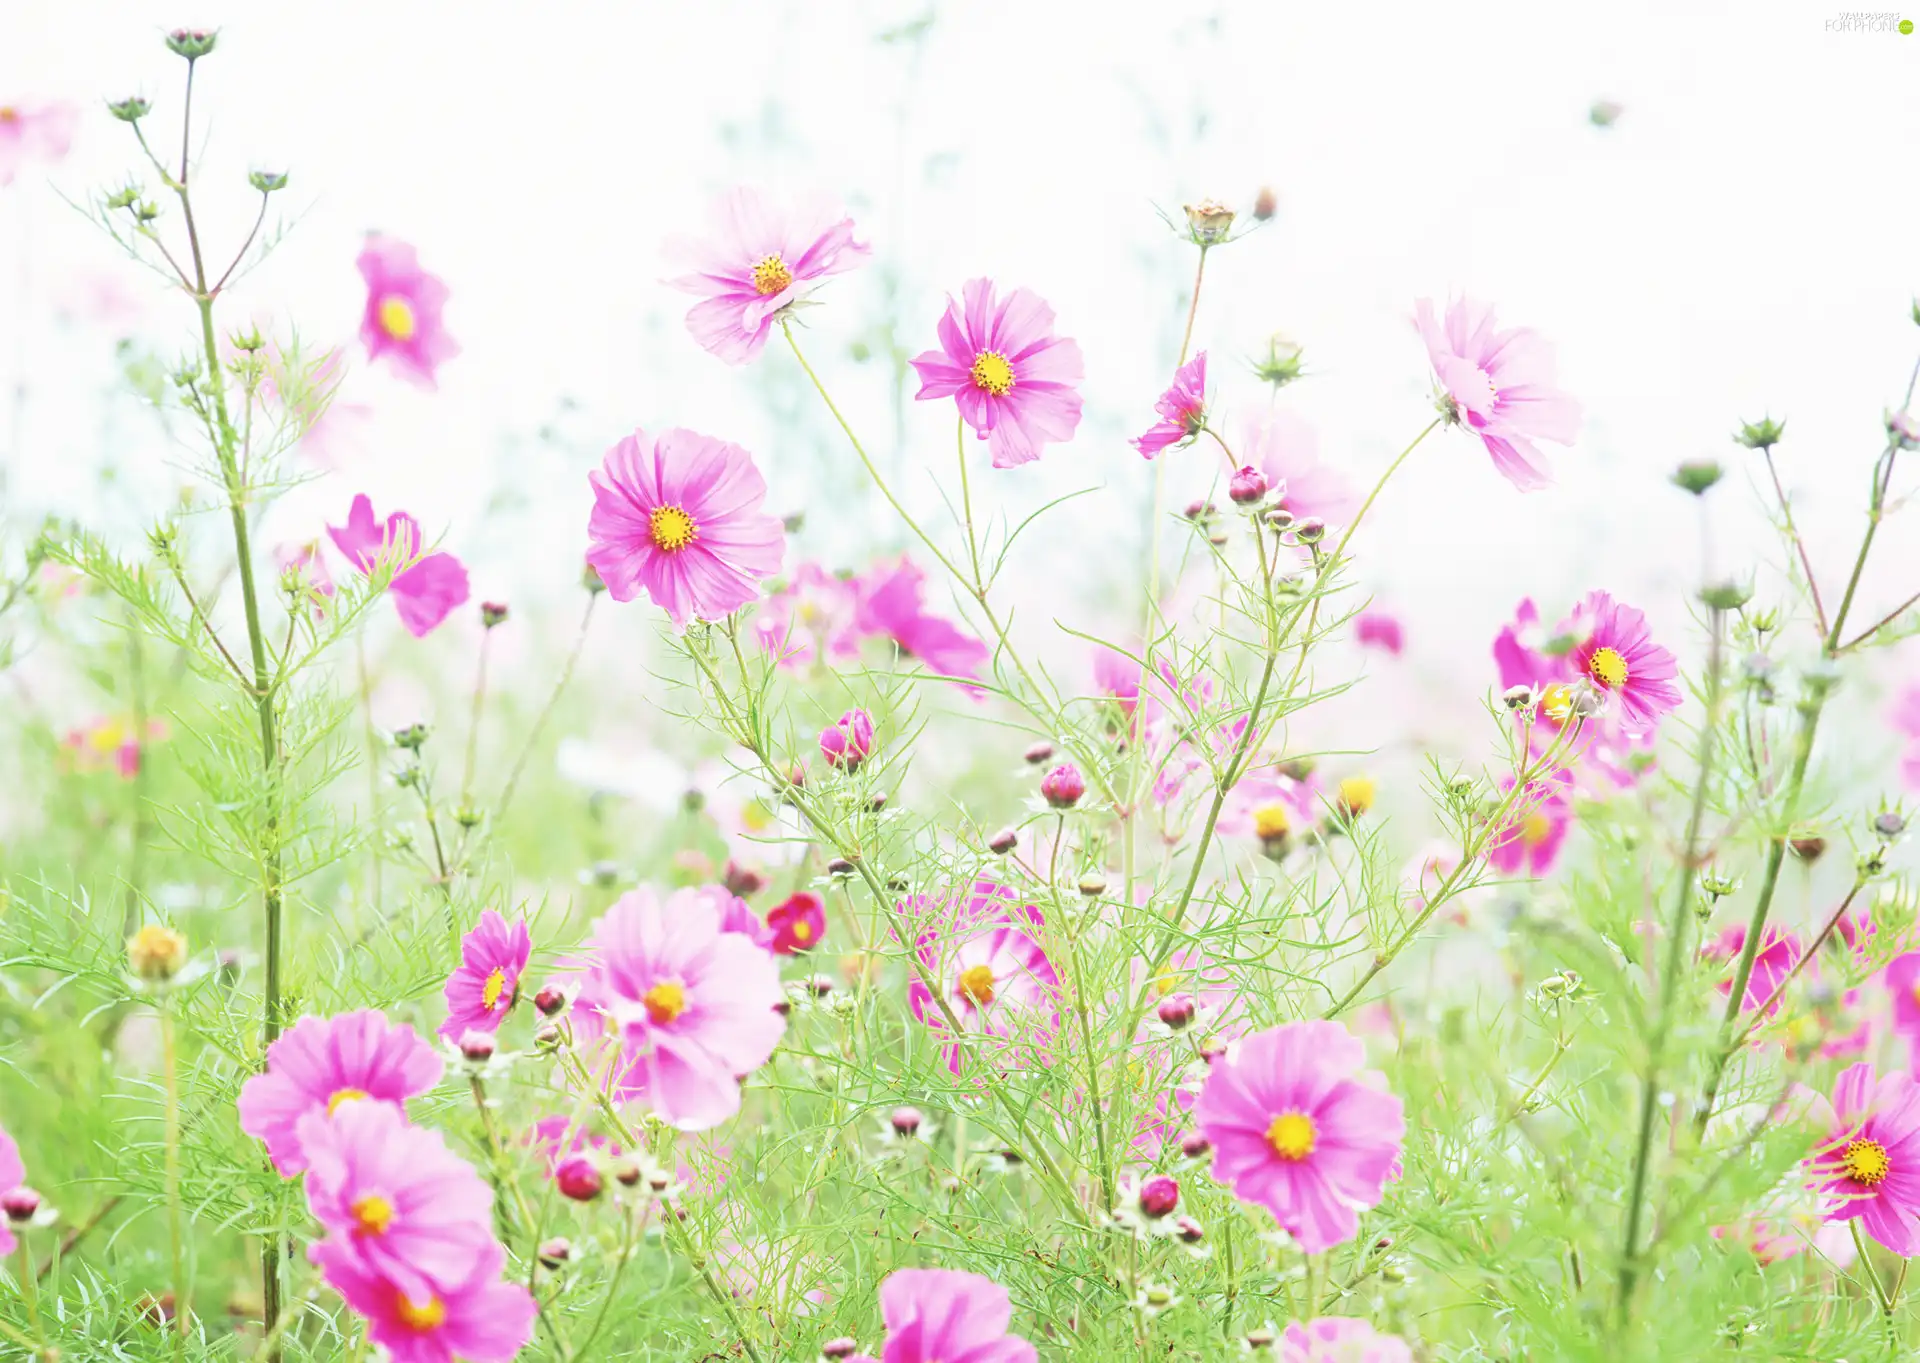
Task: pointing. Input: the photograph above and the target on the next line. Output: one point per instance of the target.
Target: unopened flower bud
(267, 181)
(123, 198)
(1889, 823)
(546, 1037)
(578, 1179)
(843, 1347)
(1039, 752)
(412, 738)
(556, 1251)
(130, 110)
(626, 1171)
(1159, 1195)
(1189, 1231)
(1282, 363)
(1198, 510)
(1209, 221)
(476, 1045)
(493, 613)
(839, 866)
(1903, 430)
(905, 1120)
(1726, 596)
(1604, 113)
(1260, 1340)
(156, 952)
(1718, 886)
(1063, 786)
(1195, 1145)
(1092, 885)
(1265, 204)
(848, 741)
(192, 43)
(742, 881)
(1309, 530)
(1177, 1010)
(1809, 847)
(1248, 486)
(468, 817)
(1697, 475)
(1518, 697)
(20, 1204)
(1004, 841)
(1763, 434)
(1280, 518)
(590, 579)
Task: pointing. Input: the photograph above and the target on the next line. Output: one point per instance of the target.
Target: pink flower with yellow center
(1298, 1127)
(1868, 1166)
(985, 958)
(1182, 409)
(811, 618)
(482, 1320)
(402, 321)
(1536, 829)
(1779, 951)
(756, 262)
(1527, 655)
(1340, 1339)
(425, 587)
(1616, 653)
(30, 133)
(487, 981)
(1014, 381)
(320, 1064)
(1499, 385)
(678, 517)
(798, 923)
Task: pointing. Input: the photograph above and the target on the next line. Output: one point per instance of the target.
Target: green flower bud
(192, 43)
(1697, 475)
(130, 110)
(1763, 434)
(267, 181)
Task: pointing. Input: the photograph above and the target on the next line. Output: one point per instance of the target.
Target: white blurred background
(1745, 239)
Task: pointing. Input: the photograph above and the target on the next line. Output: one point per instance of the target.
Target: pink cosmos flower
(1527, 656)
(890, 606)
(1902, 980)
(28, 134)
(1182, 408)
(1378, 629)
(1869, 1164)
(1533, 839)
(940, 1316)
(797, 923)
(1270, 806)
(812, 617)
(736, 915)
(1340, 1339)
(319, 1064)
(1286, 448)
(1117, 676)
(755, 262)
(13, 1174)
(487, 981)
(402, 320)
(691, 1007)
(112, 743)
(1500, 386)
(1617, 654)
(985, 958)
(678, 516)
(483, 1320)
(305, 560)
(560, 1143)
(395, 1198)
(1297, 1127)
(1779, 950)
(425, 587)
(1012, 378)
(848, 741)
(1906, 718)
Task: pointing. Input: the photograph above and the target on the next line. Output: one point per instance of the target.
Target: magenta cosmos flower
(678, 517)
(394, 1197)
(757, 261)
(1340, 1339)
(1779, 951)
(1182, 408)
(1527, 656)
(1618, 655)
(1011, 377)
(890, 606)
(1298, 1128)
(13, 1175)
(797, 923)
(848, 741)
(39, 133)
(425, 587)
(483, 1320)
(1378, 629)
(691, 1007)
(321, 1063)
(486, 982)
(985, 959)
(402, 317)
(1869, 1164)
(937, 1315)
(1532, 841)
(1500, 386)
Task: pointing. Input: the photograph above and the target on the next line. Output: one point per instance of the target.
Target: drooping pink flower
(812, 617)
(890, 606)
(848, 741)
(1340, 1339)
(425, 587)
(756, 261)
(1012, 378)
(1779, 951)
(320, 1063)
(395, 1198)
(691, 1007)
(13, 1175)
(1532, 839)
(402, 320)
(1616, 653)
(30, 133)
(1378, 629)
(984, 956)
(940, 1316)
(484, 1320)
(1182, 408)
(1500, 386)
(1286, 448)
(1906, 719)
(678, 516)
(798, 923)
(487, 981)
(1868, 1166)
(1298, 1128)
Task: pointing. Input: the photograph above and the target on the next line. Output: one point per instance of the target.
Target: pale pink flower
(1182, 408)
(1869, 1164)
(757, 261)
(13, 1174)
(1906, 718)
(1286, 448)
(34, 133)
(320, 1063)
(1535, 832)
(484, 1320)
(1500, 386)
(812, 617)
(1340, 1339)
(984, 957)
(1902, 981)
(425, 587)
(486, 983)
(1012, 378)
(1779, 951)
(678, 516)
(691, 1007)
(402, 320)
(941, 1316)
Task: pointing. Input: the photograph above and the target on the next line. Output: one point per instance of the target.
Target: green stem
(182, 1288)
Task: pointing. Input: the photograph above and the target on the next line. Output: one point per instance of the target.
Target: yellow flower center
(672, 529)
(1537, 829)
(9, 114)
(1866, 1162)
(1916, 991)
(1165, 983)
(1356, 795)
(1292, 1136)
(1270, 822)
(396, 317)
(771, 275)
(803, 930)
(423, 1317)
(755, 817)
(495, 986)
(665, 1002)
(1556, 702)
(374, 1214)
(976, 982)
(1608, 668)
(992, 373)
(344, 1096)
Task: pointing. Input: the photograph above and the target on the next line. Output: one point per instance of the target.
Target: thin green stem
(546, 713)
(182, 1287)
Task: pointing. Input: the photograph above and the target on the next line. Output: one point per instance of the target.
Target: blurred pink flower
(1298, 1128)
(321, 1063)
(797, 923)
(678, 516)
(559, 1142)
(1500, 386)
(402, 320)
(1902, 981)
(483, 1320)
(756, 261)
(1286, 448)
(1340, 1339)
(1378, 629)
(984, 956)
(425, 586)
(940, 1316)
(1616, 653)
(1906, 719)
(1271, 806)
(1532, 840)
(1012, 378)
(1869, 1164)
(890, 606)
(1182, 408)
(812, 617)
(34, 133)
(848, 741)
(1779, 951)
(486, 983)
(1526, 655)
(112, 743)
(13, 1174)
